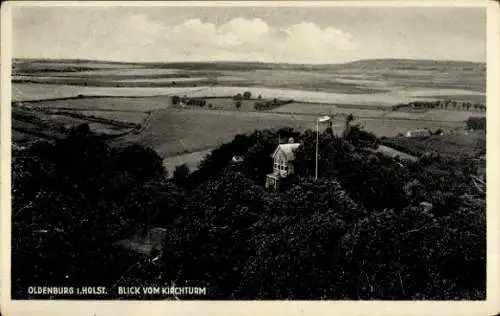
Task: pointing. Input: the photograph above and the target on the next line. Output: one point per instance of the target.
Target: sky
(266, 34)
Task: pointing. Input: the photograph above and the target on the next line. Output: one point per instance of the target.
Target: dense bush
(71, 201)
(476, 123)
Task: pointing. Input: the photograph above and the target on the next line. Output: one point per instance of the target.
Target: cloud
(136, 37)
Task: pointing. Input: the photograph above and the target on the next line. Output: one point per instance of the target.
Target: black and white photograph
(294, 151)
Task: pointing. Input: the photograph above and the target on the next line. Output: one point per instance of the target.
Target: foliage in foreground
(358, 232)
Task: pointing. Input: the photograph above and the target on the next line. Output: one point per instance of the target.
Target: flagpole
(317, 140)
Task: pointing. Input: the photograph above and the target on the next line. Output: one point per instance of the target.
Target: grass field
(453, 145)
(178, 131)
(329, 109)
(392, 127)
(129, 117)
(375, 82)
(45, 65)
(479, 98)
(192, 160)
(29, 125)
(113, 73)
(40, 91)
(36, 91)
(139, 104)
(367, 89)
(229, 104)
(437, 114)
(337, 110)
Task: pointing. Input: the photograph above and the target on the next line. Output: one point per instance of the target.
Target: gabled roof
(287, 150)
(419, 131)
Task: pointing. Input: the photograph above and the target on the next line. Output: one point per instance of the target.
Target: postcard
(242, 158)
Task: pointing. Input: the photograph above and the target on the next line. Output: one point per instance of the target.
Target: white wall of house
(281, 165)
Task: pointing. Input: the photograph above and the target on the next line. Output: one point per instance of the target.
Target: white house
(283, 158)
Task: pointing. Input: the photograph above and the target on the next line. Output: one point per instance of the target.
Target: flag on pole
(320, 120)
(324, 119)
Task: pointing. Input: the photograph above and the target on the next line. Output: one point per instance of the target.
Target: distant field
(362, 88)
(177, 131)
(35, 91)
(113, 72)
(26, 65)
(305, 80)
(375, 82)
(139, 104)
(329, 109)
(437, 114)
(478, 98)
(301, 107)
(192, 160)
(392, 127)
(391, 152)
(129, 117)
(332, 110)
(168, 80)
(229, 104)
(31, 121)
(306, 96)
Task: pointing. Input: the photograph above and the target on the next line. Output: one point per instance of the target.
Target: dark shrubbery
(476, 123)
(358, 232)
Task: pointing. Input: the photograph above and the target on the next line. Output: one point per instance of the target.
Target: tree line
(443, 104)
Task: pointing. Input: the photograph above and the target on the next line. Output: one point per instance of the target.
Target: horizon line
(244, 61)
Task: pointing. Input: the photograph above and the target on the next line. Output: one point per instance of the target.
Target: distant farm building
(283, 158)
(418, 133)
(237, 159)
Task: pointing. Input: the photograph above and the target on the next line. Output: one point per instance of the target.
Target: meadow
(178, 131)
(36, 91)
(330, 109)
(394, 127)
(447, 115)
(229, 104)
(124, 104)
(122, 116)
(452, 145)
